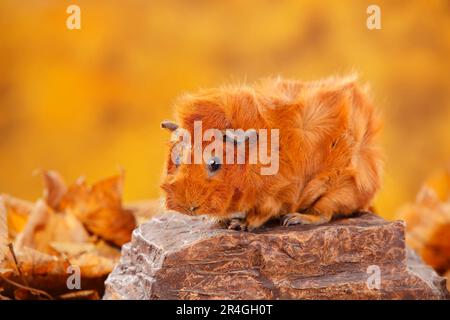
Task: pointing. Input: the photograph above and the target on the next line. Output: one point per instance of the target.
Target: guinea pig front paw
(238, 224)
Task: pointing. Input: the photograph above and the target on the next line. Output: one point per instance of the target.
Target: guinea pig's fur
(329, 160)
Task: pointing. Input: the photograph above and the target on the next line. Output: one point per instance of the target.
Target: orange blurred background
(86, 101)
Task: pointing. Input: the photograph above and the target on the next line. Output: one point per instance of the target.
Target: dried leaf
(54, 188)
(51, 235)
(3, 230)
(428, 228)
(104, 249)
(49, 273)
(72, 249)
(26, 292)
(46, 226)
(92, 265)
(37, 221)
(100, 209)
(80, 295)
(23, 294)
(6, 272)
(2, 297)
(33, 262)
(18, 212)
(68, 228)
(101, 249)
(144, 210)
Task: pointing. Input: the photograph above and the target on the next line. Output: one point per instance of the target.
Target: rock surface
(180, 257)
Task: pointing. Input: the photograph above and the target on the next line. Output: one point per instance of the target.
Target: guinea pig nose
(193, 208)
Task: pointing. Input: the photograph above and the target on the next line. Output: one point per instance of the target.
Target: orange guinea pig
(329, 160)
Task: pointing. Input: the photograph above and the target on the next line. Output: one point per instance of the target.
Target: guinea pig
(329, 161)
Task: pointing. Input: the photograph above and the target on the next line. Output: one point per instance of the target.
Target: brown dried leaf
(37, 221)
(80, 295)
(68, 228)
(6, 272)
(18, 212)
(49, 273)
(144, 210)
(54, 188)
(72, 249)
(51, 235)
(2, 297)
(3, 230)
(92, 265)
(104, 249)
(101, 249)
(46, 226)
(23, 294)
(100, 209)
(29, 293)
(428, 228)
(23, 275)
(33, 262)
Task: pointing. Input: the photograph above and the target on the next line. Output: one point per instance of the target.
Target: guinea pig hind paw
(299, 218)
(237, 224)
(290, 219)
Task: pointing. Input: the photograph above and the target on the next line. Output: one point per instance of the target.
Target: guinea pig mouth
(189, 210)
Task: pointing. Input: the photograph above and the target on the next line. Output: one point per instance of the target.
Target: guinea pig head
(209, 186)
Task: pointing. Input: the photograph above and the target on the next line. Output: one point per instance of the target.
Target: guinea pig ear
(169, 125)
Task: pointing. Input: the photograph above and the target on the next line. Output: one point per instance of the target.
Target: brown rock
(180, 257)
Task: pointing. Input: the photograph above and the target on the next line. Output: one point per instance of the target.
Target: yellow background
(86, 101)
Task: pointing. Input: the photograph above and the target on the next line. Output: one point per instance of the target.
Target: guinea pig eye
(177, 161)
(213, 164)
